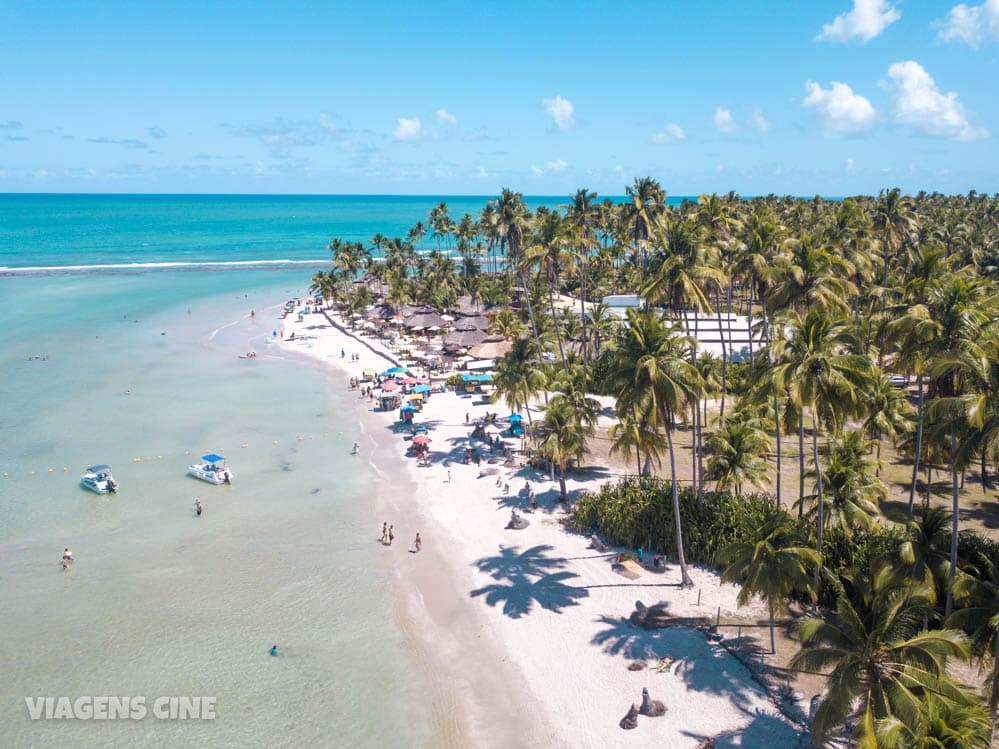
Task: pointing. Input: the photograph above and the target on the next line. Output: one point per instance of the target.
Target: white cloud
(536, 170)
(561, 111)
(671, 133)
(851, 166)
(557, 165)
(868, 19)
(326, 122)
(445, 117)
(971, 24)
(839, 109)
(760, 121)
(408, 129)
(724, 121)
(919, 103)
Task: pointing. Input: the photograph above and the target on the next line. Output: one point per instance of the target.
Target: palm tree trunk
(953, 528)
(773, 646)
(818, 491)
(749, 327)
(558, 333)
(801, 463)
(685, 580)
(919, 441)
(724, 372)
(582, 311)
(777, 431)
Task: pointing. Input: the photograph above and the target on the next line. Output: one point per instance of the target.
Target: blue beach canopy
(515, 418)
(212, 458)
(407, 407)
(398, 370)
(421, 389)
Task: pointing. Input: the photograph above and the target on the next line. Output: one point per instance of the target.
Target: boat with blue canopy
(213, 469)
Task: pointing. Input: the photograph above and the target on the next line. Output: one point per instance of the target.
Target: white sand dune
(535, 629)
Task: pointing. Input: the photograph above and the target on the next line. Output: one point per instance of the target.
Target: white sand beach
(528, 628)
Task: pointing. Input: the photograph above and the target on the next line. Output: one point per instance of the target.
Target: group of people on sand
(353, 356)
(388, 536)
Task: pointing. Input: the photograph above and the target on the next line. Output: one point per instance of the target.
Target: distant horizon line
(485, 196)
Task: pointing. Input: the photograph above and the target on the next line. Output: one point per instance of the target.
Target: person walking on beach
(391, 534)
(418, 543)
(384, 533)
(466, 417)
(449, 477)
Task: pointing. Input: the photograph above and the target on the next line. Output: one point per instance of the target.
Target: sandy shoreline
(524, 631)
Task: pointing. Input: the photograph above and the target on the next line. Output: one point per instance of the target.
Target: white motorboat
(213, 470)
(99, 479)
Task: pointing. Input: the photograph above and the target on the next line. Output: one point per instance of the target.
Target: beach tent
(421, 389)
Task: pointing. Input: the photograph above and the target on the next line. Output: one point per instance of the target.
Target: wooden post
(718, 617)
(698, 596)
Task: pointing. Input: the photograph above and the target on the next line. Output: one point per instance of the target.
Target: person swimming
(273, 650)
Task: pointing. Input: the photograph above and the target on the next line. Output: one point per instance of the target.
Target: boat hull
(212, 477)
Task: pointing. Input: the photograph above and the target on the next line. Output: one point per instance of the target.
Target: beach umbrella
(407, 408)
(421, 440)
(514, 418)
(421, 389)
(397, 370)
(389, 385)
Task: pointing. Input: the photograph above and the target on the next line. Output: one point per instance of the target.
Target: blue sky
(837, 97)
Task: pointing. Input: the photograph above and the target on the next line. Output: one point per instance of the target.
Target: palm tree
(631, 434)
(561, 436)
(653, 378)
(817, 371)
(771, 565)
(550, 250)
(518, 377)
(979, 618)
(507, 324)
(582, 214)
(738, 450)
(923, 556)
(882, 666)
(852, 489)
(938, 723)
(888, 413)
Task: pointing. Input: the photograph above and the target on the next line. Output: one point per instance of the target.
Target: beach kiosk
(389, 401)
(406, 413)
(369, 374)
(416, 401)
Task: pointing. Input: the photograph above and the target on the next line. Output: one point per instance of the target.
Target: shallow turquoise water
(158, 602)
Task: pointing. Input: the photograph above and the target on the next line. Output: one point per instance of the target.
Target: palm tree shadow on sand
(526, 579)
(704, 667)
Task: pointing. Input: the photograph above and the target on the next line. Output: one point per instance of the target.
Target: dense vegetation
(842, 295)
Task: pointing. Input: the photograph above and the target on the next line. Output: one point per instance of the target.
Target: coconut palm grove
(837, 459)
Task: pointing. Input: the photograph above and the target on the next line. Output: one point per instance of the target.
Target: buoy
(52, 470)
(64, 469)
(136, 460)
(244, 445)
(34, 473)
(5, 474)
(275, 442)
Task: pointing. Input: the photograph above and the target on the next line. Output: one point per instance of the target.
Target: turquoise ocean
(136, 366)
(122, 318)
